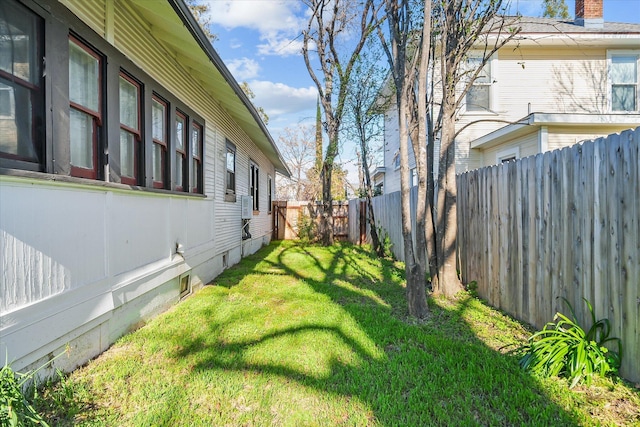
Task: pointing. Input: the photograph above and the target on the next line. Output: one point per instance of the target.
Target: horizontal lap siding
(564, 136)
(96, 255)
(91, 12)
(559, 79)
(528, 146)
(135, 41)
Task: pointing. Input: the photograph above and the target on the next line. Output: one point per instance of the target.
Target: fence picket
(563, 223)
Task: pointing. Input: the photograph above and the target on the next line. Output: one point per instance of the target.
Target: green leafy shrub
(564, 349)
(15, 408)
(472, 288)
(307, 229)
(385, 242)
(17, 391)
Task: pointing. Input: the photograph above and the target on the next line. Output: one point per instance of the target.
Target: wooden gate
(287, 215)
(279, 220)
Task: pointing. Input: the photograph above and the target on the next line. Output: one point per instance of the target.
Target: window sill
(230, 198)
(90, 183)
(480, 113)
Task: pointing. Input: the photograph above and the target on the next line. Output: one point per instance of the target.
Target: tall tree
(297, 146)
(332, 25)
(428, 55)
(404, 48)
(555, 9)
(318, 138)
(462, 26)
(364, 108)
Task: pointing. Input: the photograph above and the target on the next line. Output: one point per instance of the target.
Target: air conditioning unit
(247, 207)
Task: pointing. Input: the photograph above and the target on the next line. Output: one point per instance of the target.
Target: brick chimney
(589, 13)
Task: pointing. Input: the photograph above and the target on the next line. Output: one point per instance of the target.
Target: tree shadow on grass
(335, 321)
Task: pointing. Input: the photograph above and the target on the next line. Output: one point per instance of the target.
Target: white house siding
(72, 254)
(135, 41)
(83, 264)
(525, 146)
(391, 149)
(559, 80)
(564, 136)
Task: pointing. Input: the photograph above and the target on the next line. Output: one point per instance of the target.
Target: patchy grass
(312, 336)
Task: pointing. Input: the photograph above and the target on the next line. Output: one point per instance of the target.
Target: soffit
(198, 57)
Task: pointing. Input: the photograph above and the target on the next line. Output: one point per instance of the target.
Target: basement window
(185, 284)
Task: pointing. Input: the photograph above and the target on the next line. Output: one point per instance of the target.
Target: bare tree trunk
(414, 271)
(419, 139)
(326, 23)
(448, 282)
(375, 239)
(420, 154)
(399, 17)
(432, 251)
(327, 206)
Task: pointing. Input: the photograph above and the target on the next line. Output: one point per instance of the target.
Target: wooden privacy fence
(561, 224)
(289, 216)
(388, 216)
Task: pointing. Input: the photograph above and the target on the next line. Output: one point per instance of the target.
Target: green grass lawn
(297, 335)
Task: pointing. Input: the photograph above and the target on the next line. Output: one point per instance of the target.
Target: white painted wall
(84, 264)
(569, 78)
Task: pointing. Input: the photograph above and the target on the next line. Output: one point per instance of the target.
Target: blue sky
(260, 42)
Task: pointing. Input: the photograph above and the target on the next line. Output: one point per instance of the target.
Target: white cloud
(280, 45)
(243, 68)
(235, 44)
(279, 23)
(278, 99)
(261, 15)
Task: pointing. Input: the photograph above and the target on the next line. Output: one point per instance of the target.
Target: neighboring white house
(558, 84)
(125, 149)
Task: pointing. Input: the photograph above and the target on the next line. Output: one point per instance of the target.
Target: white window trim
(269, 193)
(255, 186)
(623, 52)
(507, 153)
(493, 87)
(396, 158)
(414, 177)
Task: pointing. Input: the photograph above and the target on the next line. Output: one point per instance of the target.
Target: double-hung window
(230, 184)
(85, 97)
(254, 180)
(269, 193)
(196, 158)
(95, 115)
(181, 165)
(478, 97)
(624, 79)
(130, 136)
(21, 87)
(159, 135)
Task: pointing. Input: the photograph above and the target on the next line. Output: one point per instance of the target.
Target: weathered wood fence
(564, 223)
(288, 216)
(388, 215)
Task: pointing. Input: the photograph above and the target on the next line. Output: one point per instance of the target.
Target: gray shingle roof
(549, 25)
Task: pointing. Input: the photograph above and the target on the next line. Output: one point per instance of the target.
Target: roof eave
(183, 12)
(534, 121)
